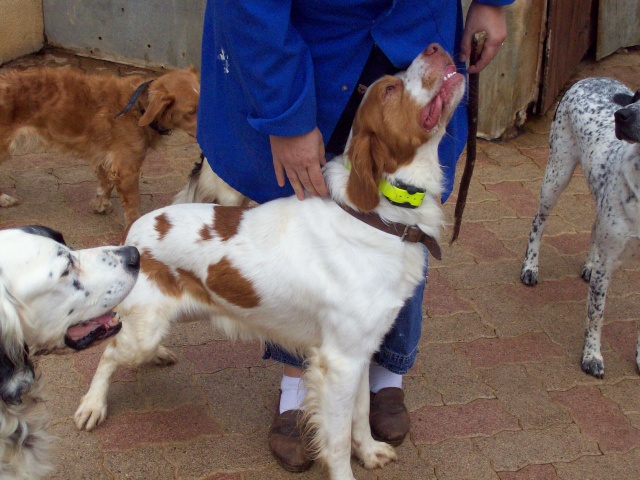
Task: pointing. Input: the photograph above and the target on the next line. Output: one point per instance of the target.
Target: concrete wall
(21, 28)
(146, 33)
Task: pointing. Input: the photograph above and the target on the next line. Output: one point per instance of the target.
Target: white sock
(293, 393)
(380, 377)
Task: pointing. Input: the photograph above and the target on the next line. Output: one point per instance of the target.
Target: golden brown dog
(77, 113)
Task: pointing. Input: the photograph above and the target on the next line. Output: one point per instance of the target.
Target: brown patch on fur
(173, 284)
(227, 282)
(192, 285)
(386, 135)
(160, 274)
(226, 221)
(162, 225)
(205, 232)
(73, 113)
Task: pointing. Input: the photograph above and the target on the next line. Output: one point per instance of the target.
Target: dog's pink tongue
(85, 328)
(432, 112)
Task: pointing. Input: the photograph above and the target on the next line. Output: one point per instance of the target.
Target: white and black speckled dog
(49, 295)
(591, 128)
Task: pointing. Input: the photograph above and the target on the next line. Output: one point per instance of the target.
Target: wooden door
(570, 33)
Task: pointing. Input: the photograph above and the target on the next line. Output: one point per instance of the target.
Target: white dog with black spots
(597, 124)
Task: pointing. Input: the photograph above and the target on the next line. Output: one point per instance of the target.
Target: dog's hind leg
(102, 202)
(126, 176)
(563, 159)
(372, 453)
(6, 200)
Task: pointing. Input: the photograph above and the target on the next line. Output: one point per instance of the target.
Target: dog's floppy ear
(362, 186)
(159, 101)
(44, 232)
(636, 97)
(16, 371)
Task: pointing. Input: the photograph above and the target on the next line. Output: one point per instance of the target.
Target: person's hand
(487, 18)
(300, 158)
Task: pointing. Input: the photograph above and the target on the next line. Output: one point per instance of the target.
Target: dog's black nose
(623, 115)
(131, 258)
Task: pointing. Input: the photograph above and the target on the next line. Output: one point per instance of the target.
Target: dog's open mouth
(82, 335)
(433, 111)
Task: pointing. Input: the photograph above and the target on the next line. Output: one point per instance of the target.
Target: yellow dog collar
(403, 196)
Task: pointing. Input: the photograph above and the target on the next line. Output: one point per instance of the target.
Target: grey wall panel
(141, 32)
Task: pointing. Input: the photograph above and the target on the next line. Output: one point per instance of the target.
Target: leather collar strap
(134, 98)
(407, 233)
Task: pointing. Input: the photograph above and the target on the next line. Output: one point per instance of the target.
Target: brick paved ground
(496, 393)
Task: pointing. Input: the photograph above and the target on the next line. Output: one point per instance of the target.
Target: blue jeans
(399, 348)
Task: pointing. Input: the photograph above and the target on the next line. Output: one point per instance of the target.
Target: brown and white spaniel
(78, 114)
(309, 275)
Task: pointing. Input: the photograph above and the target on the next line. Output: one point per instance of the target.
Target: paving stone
(441, 299)
(498, 310)
(135, 464)
(601, 467)
(516, 196)
(527, 170)
(622, 336)
(210, 454)
(599, 418)
(461, 327)
(511, 228)
(511, 451)
(570, 244)
(192, 333)
(625, 393)
(563, 290)
(483, 244)
(76, 454)
(487, 211)
(487, 352)
(220, 354)
(458, 459)
(450, 375)
(561, 373)
(431, 425)
(169, 387)
(125, 431)
(240, 397)
(539, 155)
(524, 397)
(417, 392)
(471, 276)
(531, 472)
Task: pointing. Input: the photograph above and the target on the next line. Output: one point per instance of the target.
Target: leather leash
(407, 233)
(477, 44)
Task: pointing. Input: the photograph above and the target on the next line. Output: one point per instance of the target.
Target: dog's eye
(390, 88)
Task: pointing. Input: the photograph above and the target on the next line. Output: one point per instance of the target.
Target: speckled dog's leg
(605, 260)
(563, 159)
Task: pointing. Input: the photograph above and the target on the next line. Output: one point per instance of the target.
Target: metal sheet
(149, 33)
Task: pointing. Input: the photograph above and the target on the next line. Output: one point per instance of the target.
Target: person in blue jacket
(280, 83)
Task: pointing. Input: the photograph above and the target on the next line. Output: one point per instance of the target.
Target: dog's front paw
(593, 365)
(375, 454)
(529, 276)
(7, 201)
(90, 414)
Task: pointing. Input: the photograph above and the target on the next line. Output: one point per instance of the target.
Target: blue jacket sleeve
(272, 63)
(496, 3)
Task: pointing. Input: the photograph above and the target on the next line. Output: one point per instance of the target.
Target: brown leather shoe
(287, 443)
(388, 416)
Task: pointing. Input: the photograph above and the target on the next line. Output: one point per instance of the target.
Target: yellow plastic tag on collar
(396, 194)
